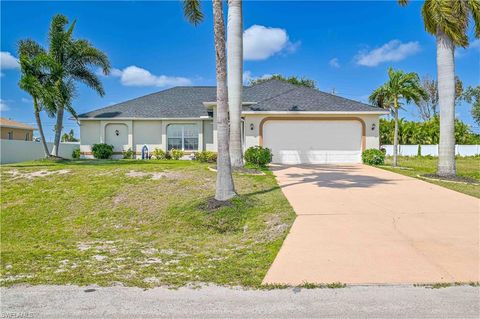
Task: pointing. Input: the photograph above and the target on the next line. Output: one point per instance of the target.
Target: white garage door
(313, 142)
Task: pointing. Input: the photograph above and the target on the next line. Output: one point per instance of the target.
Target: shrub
(373, 157)
(168, 155)
(159, 154)
(102, 151)
(128, 154)
(176, 154)
(206, 157)
(76, 153)
(258, 156)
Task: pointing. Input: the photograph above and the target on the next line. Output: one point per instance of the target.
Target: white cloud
(392, 51)
(25, 100)
(135, 76)
(8, 61)
(248, 76)
(334, 63)
(3, 106)
(260, 42)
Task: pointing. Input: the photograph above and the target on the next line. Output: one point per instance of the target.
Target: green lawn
(138, 223)
(466, 166)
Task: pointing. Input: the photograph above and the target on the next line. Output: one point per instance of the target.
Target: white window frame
(182, 138)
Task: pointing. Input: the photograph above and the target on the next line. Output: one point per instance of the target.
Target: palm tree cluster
(448, 21)
(425, 133)
(50, 75)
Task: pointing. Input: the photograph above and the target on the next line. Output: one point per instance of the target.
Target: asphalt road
(218, 302)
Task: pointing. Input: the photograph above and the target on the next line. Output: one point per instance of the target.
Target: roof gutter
(382, 112)
(202, 118)
(213, 104)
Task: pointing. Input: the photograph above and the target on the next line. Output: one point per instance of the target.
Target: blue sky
(343, 46)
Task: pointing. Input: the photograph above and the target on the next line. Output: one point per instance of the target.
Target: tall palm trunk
(58, 131)
(395, 135)
(224, 186)
(234, 74)
(36, 110)
(446, 101)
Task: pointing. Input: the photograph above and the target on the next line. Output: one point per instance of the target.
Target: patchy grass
(466, 166)
(439, 285)
(136, 223)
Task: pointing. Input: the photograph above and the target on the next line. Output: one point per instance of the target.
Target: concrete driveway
(363, 225)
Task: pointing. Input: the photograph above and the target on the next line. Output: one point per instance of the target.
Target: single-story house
(299, 124)
(13, 130)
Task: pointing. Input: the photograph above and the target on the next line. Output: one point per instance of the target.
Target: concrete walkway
(219, 302)
(362, 225)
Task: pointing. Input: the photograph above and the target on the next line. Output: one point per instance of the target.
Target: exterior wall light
(252, 126)
(374, 126)
(117, 132)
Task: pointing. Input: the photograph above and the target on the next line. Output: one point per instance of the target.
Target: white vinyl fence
(14, 151)
(432, 150)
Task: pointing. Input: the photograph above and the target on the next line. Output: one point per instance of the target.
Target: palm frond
(192, 10)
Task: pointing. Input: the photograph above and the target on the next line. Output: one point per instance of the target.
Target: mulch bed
(453, 179)
(212, 204)
(242, 170)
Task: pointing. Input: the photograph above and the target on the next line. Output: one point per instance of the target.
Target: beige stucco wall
(153, 133)
(17, 134)
(147, 133)
(208, 140)
(134, 134)
(252, 136)
(89, 135)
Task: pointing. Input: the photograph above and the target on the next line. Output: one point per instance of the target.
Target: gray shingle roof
(187, 102)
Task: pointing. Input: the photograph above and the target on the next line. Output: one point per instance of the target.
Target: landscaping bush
(258, 156)
(159, 154)
(206, 157)
(373, 157)
(102, 151)
(76, 153)
(177, 154)
(128, 154)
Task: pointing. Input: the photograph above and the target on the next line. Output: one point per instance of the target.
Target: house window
(10, 135)
(182, 137)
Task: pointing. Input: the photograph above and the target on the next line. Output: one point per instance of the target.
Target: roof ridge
(346, 98)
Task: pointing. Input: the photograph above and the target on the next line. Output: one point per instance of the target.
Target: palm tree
(36, 81)
(225, 189)
(74, 61)
(235, 80)
(400, 87)
(448, 21)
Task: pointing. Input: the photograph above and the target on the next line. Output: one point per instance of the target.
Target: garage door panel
(313, 142)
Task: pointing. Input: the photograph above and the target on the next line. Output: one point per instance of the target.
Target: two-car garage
(312, 141)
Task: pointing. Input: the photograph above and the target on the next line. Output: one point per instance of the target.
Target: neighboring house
(13, 130)
(299, 124)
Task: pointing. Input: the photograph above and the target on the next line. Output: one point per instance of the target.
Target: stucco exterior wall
(147, 133)
(208, 139)
(89, 135)
(17, 134)
(135, 134)
(252, 136)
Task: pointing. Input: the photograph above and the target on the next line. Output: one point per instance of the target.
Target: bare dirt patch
(275, 228)
(16, 174)
(154, 175)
